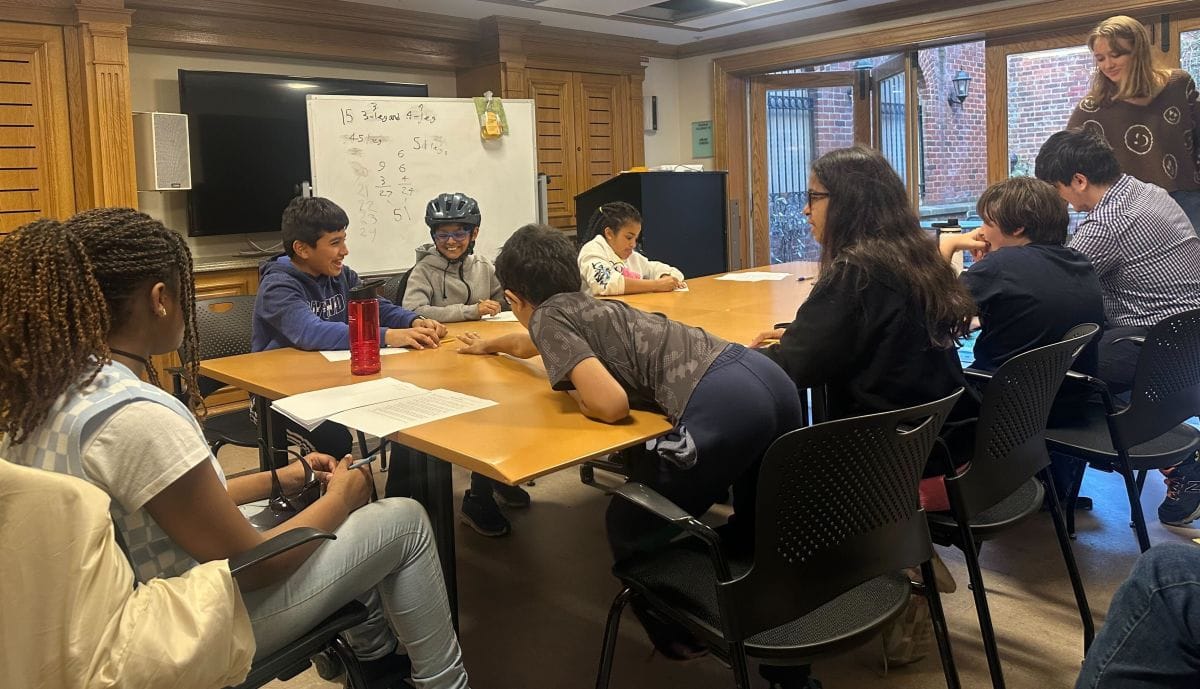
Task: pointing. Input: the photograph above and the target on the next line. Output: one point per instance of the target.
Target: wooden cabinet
(583, 132)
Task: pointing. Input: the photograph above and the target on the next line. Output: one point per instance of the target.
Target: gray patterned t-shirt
(656, 360)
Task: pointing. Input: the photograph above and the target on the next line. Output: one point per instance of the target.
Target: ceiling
(605, 16)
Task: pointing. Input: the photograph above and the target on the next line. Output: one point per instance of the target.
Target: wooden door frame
(732, 73)
(759, 248)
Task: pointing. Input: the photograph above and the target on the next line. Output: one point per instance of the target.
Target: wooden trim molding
(731, 129)
(313, 29)
(986, 23)
(100, 106)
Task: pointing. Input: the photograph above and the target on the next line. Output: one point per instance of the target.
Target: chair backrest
(1010, 444)
(1166, 384)
(837, 506)
(393, 289)
(223, 328)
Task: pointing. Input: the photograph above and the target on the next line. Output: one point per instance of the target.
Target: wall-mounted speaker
(161, 150)
(650, 113)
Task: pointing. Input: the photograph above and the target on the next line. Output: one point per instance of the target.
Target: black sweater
(862, 337)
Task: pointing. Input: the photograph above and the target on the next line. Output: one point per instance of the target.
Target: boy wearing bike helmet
(449, 283)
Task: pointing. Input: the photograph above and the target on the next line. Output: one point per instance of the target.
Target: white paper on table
(681, 289)
(310, 409)
(502, 317)
(753, 276)
(344, 354)
(385, 418)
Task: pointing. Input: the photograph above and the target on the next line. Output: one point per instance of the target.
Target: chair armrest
(1138, 339)
(976, 373)
(176, 380)
(1096, 385)
(648, 499)
(275, 545)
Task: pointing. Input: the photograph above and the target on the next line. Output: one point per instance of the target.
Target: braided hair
(612, 216)
(64, 286)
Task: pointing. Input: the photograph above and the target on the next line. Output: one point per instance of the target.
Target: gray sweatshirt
(450, 292)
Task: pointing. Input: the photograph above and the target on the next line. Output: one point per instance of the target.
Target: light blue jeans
(1151, 639)
(384, 556)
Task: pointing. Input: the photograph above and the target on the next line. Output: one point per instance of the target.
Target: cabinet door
(602, 123)
(553, 95)
(35, 147)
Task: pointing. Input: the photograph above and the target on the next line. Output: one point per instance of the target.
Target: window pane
(892, 124)
(794, 140)
(1043, 89)
(1189, 52)
(952, 136)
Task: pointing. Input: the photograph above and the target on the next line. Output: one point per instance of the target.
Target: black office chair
(223, 328)
(830, 548)
(1000, 486)
(1149, 432)
(290, 661)
(395, 286)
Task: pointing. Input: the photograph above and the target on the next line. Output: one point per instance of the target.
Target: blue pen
(802, 278)
(366, 460)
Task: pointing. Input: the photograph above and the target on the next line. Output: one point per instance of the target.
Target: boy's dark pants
(740, 406)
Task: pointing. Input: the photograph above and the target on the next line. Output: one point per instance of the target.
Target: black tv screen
(249, 143)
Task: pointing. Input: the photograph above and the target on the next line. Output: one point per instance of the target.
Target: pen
(366, 460)
(802, 278)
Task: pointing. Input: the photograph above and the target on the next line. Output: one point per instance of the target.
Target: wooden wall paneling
(602, 127)
(35, 151)
(553, 93)
(99, 93)
(476, 80)
(326, 29)
(637, 118)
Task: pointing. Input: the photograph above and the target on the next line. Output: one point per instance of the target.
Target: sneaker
(510, 496)
(483, 515)
(1182, 504)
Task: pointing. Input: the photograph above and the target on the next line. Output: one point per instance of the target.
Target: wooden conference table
(532, 430)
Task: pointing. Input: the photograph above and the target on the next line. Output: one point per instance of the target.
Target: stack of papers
(378, 407)
(344, 354)
(502, 317)
(753, 276)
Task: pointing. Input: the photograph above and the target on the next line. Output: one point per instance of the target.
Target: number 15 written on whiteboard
(347, 116)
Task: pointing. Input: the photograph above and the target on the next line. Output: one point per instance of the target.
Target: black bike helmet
(452, 208)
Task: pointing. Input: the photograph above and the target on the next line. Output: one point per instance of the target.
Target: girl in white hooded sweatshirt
(610, 264)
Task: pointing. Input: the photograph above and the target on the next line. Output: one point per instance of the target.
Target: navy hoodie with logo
(295, 309)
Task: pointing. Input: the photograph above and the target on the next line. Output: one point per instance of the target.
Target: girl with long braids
(83, 305)
(610, 263)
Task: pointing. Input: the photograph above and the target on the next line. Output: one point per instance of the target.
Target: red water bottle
(363, 318)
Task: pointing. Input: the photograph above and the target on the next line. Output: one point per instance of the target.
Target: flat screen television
(249, 143)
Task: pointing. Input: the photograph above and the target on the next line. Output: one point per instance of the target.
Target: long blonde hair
(1126, 36)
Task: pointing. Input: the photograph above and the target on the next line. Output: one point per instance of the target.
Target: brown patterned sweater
(1156, 142)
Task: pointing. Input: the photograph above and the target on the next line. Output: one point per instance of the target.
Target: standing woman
(83, 305)
(1149, 116)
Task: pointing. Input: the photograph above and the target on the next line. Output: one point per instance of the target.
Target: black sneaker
(510, 496)
(1182, 504)
(483, 515)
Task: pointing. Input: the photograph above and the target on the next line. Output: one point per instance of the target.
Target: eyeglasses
(811, 197)
(457, 235)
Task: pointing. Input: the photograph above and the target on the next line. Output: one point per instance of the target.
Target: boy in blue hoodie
(302, 297)
(450, 283)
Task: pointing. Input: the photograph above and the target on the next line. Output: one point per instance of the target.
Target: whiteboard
(384, 159)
